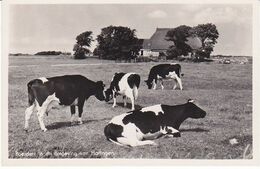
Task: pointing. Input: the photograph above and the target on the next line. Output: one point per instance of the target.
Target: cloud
(25, 40)
(191, 7)
(220, 15)
(157, 14)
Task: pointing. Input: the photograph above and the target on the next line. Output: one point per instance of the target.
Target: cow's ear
(190, 101)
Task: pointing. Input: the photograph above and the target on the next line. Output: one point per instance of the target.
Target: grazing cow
(69, 90)
(139, 127)
(164, 71)
(125, 84)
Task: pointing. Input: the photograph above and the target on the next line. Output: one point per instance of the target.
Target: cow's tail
(31, 97)
(135, 92)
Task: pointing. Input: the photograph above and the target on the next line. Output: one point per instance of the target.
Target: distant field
(223, 91)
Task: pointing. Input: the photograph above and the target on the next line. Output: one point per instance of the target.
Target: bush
(200, 56)
(80, 54)
(49, 53)
(143, 59)
(173, 53)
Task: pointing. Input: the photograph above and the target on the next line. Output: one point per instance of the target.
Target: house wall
(147, 53)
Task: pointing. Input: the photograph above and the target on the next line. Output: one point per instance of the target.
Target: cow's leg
(175, 84)
(179, 82)
(114, 99)
(168, 136)
(114, 102)
(52, 103)
(124, 99)
(132, 102)
(172, 132)
(161, 81)
(135, 92)
(80, 109)
(72, 110)
(28, 113)
(154, 84)
(81, 102)
(132, 138)
(145, 142)
(134, 142)
(40, 114)
(129, 94)
(178, 134)
(171, 135)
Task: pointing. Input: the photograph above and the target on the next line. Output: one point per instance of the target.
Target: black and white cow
(125, 84)
(139, 127)
(69, 90)
(164, 71)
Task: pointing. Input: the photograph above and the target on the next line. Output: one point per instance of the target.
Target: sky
(34, 28)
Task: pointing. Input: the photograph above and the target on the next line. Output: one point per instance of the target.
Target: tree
(184, 36)
(179, 36)
(179, 33)
(117, 42)
(95, 52)
(83, 43)
(208, 34)
(173, 52)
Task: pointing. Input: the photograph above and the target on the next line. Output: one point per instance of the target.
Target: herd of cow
(134, 128)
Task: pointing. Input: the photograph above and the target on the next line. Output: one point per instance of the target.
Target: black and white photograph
(116, 80)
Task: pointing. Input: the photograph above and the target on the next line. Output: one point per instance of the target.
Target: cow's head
(149, 84)
(108, 94)
(100, 91)
(194, 111)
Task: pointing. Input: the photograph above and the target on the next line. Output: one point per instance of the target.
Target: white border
(127, 162)
(130, 2)
(256, 79)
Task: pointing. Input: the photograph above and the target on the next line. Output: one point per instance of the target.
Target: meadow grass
(223, 91)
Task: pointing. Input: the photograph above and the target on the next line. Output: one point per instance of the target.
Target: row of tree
(117, 42)
(52, 53)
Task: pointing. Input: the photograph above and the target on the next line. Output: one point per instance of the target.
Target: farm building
(158, 44)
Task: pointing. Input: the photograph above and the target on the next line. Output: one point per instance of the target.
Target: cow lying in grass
(139, 127)
(164, 71)
(68, 90)
(125, 84)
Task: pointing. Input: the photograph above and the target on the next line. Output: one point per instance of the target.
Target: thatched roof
(194, 42)
(146, 44)
(158, 41)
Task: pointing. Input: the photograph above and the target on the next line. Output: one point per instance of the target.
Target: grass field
(223, 91)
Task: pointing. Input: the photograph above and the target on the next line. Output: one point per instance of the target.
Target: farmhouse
(158, 44)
